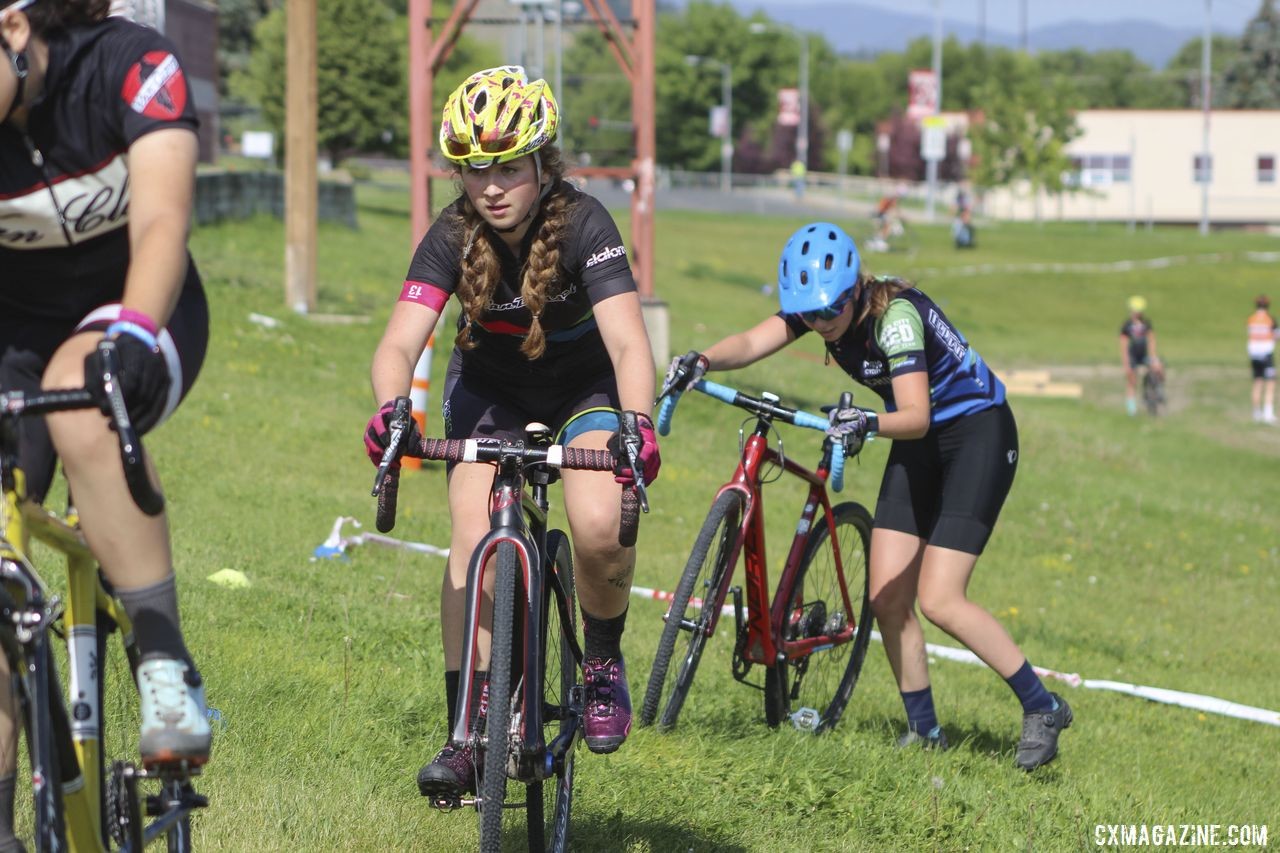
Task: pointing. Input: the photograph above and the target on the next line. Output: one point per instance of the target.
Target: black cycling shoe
(451, 773)
(1040, 730)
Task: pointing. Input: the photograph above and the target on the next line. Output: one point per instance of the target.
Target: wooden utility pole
(301, 194)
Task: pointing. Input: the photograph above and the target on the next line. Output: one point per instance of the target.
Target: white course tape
(336, 545)
(1196, 701)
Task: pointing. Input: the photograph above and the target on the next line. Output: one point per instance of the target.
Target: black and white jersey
(64, 183)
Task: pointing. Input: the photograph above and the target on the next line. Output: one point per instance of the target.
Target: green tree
(362, 91)
(1252, 81)
(1183, 70)
(1111, 79)
(1027, 124)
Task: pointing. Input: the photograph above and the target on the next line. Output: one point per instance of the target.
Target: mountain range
(855, 29)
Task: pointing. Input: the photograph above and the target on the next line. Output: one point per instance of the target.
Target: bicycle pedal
(447, 803)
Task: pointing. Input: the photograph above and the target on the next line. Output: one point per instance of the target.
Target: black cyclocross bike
(536, 696)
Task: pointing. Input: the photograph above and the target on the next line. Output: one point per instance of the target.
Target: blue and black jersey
(914, 335)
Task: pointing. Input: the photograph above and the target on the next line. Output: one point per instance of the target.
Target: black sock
(451, 679)
(153, 610)
(603, 636)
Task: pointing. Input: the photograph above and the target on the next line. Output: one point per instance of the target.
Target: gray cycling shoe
(175, 721)
(1040, 730)
(935, 738)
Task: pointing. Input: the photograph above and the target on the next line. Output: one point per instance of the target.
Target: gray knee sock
(154, 612)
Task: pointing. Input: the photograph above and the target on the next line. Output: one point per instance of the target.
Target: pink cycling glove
(650, 459)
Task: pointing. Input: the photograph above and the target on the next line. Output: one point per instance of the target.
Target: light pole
(802, 132)
(726, 98)
(1206, 173)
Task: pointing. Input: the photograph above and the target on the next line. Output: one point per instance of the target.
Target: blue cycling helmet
(819, 264)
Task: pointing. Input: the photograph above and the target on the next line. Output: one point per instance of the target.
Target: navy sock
(603, 637)
(1030, 691)
(921, 716)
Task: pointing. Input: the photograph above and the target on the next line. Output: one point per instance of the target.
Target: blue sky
(1226, 14)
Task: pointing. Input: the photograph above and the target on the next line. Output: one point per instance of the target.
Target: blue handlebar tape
(666, 411)
(837, 466)
(818, 422)
(722, 393)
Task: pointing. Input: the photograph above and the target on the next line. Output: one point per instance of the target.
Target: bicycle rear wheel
(551, 799)
(821, 682)
(708, 569)
(1152, 391)
(493, 782)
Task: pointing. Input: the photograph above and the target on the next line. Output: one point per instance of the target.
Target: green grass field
(1131, 549)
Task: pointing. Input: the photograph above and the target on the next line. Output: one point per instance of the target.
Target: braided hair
(481, 269)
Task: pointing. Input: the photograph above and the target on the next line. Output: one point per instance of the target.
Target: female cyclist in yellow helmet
(550, 327)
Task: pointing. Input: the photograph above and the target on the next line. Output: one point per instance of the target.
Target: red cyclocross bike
(812, 637)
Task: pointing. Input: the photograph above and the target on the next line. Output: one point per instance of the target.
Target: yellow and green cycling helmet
(497, 115)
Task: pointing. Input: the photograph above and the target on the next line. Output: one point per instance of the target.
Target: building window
(1266, 169)
(1203, 167)
(1099, 170)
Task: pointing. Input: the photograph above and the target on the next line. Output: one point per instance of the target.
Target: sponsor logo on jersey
(92, 204)
(156, 87)
(606, 254)
(518, 302)
(947, 335)
(872, 368)
(897, 334)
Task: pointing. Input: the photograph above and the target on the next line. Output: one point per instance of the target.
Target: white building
(1146, 165)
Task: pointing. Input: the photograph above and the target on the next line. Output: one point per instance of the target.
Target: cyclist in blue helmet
(954, 455)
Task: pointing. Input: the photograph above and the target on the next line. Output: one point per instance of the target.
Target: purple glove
(694, 365)
(650, 460)
(849, 425)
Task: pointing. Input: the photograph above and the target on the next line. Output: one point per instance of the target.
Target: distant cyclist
(886, 218)
(1263, 332)
(1137, 349)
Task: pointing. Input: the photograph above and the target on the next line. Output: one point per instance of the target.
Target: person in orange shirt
(1263, 331)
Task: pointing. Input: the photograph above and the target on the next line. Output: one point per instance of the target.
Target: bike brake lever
(631, 443)
(397, 429)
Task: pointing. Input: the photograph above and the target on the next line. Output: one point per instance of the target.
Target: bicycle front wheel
(1152, 391)
(551, 799)
(709, 567)
(493, 782)
(824, 640)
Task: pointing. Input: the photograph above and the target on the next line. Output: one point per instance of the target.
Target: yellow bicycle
(82, 802)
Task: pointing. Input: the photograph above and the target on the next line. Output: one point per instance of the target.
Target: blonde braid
(481, 272)
(542, 270)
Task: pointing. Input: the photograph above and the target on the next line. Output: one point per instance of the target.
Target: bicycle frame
(764, 643)
(86, 597)
(519, 518)
(75, 740)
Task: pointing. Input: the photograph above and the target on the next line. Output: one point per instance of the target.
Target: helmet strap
(20, 70)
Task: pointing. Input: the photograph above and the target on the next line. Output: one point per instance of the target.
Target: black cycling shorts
(476, 406)
(1264, 367)
(27, 344)
(948, 487)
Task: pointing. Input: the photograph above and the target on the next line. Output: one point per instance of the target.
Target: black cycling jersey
(64, 183)
(593, 267)
(914, 335)
(1137, 330)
